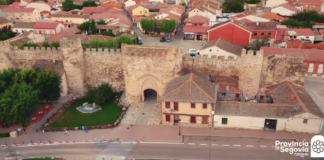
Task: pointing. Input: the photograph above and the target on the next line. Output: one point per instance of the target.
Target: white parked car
(193, 52)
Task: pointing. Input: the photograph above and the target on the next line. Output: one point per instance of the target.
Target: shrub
(101, 94)
(4, 134)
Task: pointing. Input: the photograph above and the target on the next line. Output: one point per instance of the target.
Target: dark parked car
(162, 39)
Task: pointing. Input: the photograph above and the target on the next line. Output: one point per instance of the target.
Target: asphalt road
(228, 149)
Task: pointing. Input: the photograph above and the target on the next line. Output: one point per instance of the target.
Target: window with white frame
(310, 69)
(320, 70)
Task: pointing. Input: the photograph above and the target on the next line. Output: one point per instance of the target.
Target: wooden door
(192, 119)
(205, 120)
(167, 118)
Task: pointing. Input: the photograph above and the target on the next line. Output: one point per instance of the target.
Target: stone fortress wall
(137, 68)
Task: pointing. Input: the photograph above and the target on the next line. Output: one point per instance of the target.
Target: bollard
(23, 142)
(49, 141)
(6, 143)
(36, 130)
(31, 141)
(15, 142)
(40, 141)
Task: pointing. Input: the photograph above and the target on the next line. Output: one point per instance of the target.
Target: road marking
(203, 144)
(159, 143)
(249, 146)
(191, 143)
(263, 146)
(214, 144)
(225, 145)
(236, 145)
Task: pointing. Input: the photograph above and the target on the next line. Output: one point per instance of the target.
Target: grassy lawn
(71, 117)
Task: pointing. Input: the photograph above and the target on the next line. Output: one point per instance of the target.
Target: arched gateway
(148, 69)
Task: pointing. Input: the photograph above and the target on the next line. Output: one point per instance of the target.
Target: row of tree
(69, 5)
(166, 26)
(110, 43)
(54, 44)
(305, 19)
(21, 91)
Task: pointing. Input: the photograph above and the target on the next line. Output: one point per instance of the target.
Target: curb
(68, 142)
(272, 138)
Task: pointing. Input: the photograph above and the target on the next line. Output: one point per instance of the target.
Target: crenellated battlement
(101, 51)
(245, 53)
(147, 53)
(48, 49)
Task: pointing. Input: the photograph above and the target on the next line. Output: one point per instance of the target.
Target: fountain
(88, 108)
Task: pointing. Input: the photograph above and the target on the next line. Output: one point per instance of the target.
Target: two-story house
(22, 27)
(196, 28)
(188, 99)
(23, 14)
(308, 5)
(243, 34)
(46, 28)
(207, 9)
(285, 10)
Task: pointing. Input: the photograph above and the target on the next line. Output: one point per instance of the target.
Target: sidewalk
(147, 133)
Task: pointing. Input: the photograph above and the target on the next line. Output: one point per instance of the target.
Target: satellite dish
(212, 112)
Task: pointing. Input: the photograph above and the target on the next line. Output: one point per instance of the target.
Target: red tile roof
(309, 55)
(245, 20)
(17, 9)
(197, 19)
(46, 25)
(284, 31)
(291, 8)
(320, 24)
(202, 29)
(88, 10)
(272, 16)
(45, 12)
(311, 2)
(58, 36)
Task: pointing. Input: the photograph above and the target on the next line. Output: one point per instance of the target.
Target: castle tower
(250, 72)
(5, 61)
(73, 65)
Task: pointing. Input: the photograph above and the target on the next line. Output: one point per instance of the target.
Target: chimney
(257, 23)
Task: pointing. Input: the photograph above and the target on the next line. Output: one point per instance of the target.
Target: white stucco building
(273, 3)
(129, 3)
(254, 18)
(292, 110)
(221, 48)
(285, 10)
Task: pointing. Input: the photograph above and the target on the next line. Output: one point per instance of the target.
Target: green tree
(101, 93)
(258, 43)
(168, 26)
(27, 76)
(49, 85)
(124, 40)
(88, 27)
(8, 75)
(56, 44)
(46, 44)
(107, 33)
(183, 3)
(148, 25)
(89, 4)
(101, 22)
(115, 45)
(253, 1)
(68, 5)
(235, 6)
(23, 99)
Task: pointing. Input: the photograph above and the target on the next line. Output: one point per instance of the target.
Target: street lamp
(179, 128)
